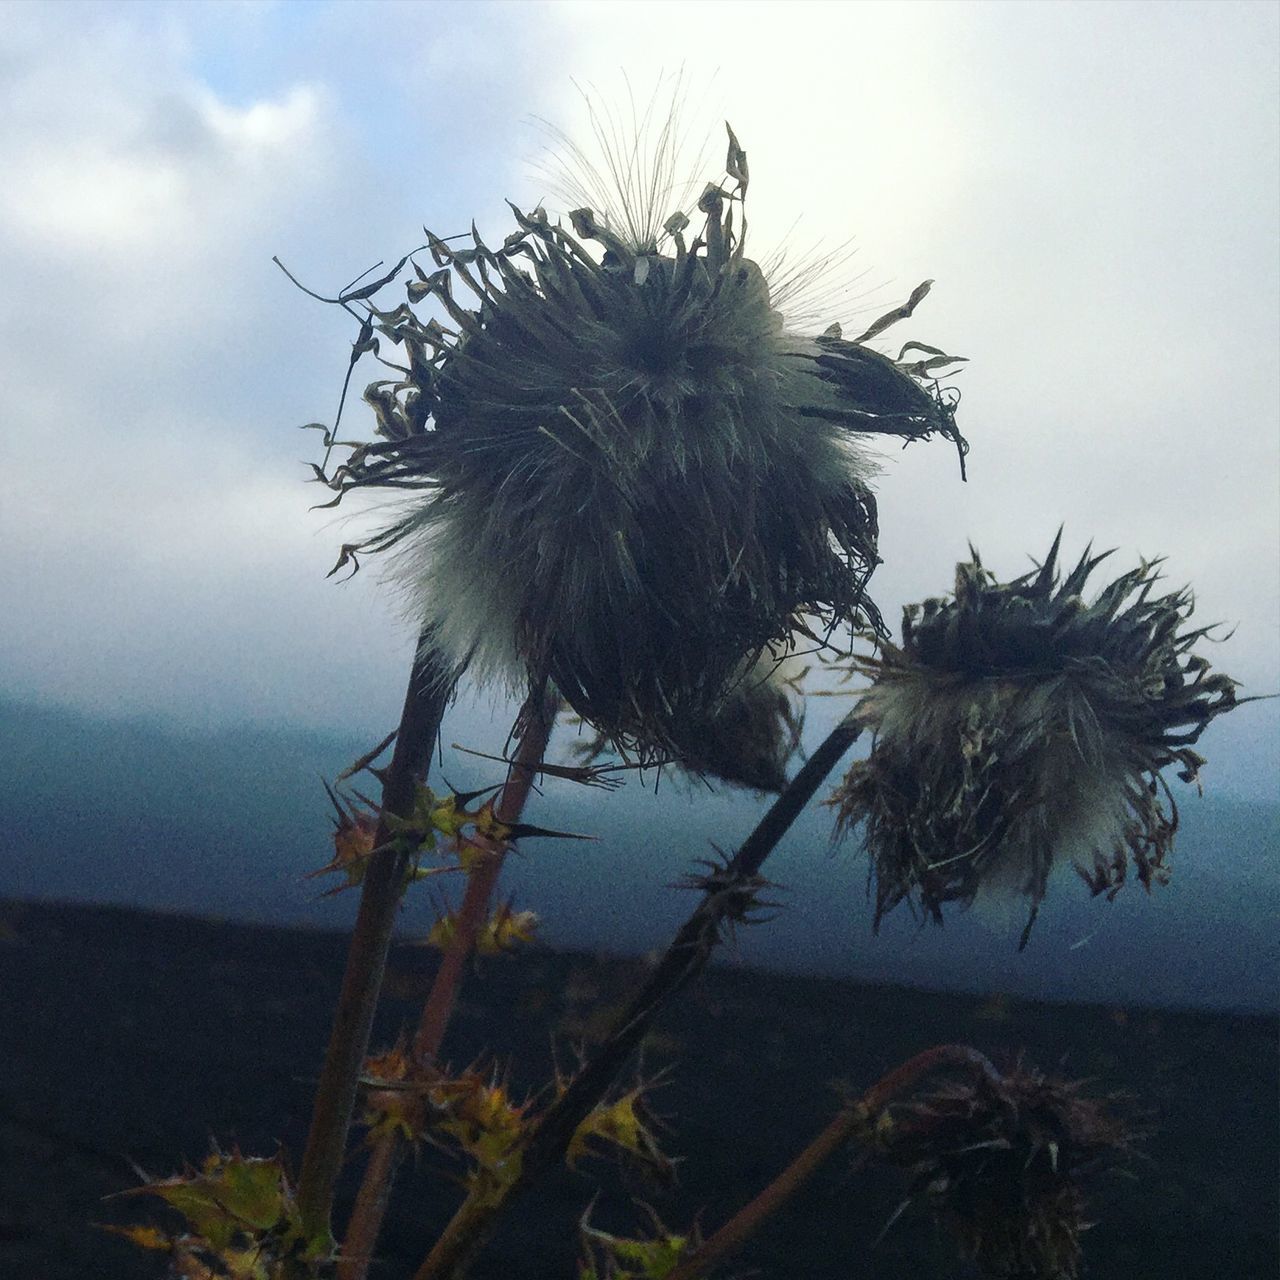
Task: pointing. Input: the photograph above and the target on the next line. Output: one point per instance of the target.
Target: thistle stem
(908, 1073)
(428, 692)
(538, 718)
(844, 1126)
(685, 958)
(748, 1219)
(370, 1207)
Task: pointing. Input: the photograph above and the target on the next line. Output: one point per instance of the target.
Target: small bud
(1004, 1162)
(354, 831)
(619, 1128)
(648, 1257)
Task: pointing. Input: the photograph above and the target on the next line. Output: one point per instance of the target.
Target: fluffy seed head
(1018, 727)
(629, 475)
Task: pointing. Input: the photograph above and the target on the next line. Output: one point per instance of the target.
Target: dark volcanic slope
(138, 1037)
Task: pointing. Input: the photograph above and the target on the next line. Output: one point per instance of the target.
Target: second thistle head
(630, 476)
(1018, 728)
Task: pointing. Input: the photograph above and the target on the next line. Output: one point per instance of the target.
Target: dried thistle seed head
(632, 478)
(756, 732)
(1018, 728)
(1004, 1164)
(753, 737)
(644, 160)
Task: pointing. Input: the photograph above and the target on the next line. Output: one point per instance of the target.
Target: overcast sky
(1092, 186)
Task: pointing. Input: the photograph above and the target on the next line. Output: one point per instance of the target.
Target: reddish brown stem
(748, 1219)
(424, 704)
(436, 1013)
(370, 1207)
(906, 1074)
(843, 1127)
(374, 1195)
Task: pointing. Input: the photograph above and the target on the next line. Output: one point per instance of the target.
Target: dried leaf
(735, 164)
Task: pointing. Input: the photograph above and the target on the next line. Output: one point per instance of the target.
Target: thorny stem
(907, 1073)
(846, 1125)
(539, 719)
(684, 960)
(424, 703)
(375, 1188)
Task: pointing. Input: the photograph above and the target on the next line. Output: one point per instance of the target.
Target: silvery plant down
(1019, 728)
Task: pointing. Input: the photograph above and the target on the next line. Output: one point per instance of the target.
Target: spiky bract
(633, 477)
(1018, 727)
(1003, 1163)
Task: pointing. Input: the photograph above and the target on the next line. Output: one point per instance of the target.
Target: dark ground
(132, 1037)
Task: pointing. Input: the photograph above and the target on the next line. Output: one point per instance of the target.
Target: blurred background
(1094, 189)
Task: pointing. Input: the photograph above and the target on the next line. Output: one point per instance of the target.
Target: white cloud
(187, 164)
(159, 554)
(1094, 190)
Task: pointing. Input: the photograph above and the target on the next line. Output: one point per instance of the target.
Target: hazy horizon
(229, 825)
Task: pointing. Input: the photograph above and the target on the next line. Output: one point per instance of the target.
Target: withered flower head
(1003, 1162)
(754, 735)
(1018, 727)
(630, 474)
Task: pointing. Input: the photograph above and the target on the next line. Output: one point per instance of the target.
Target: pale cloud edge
(1093, 191)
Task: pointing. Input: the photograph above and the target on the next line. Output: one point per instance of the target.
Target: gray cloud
(1093, 188)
